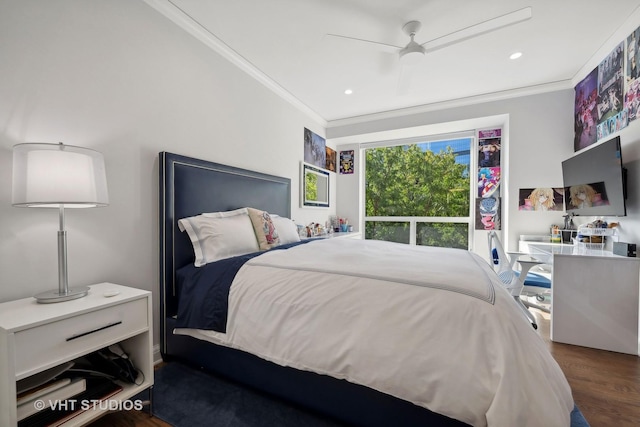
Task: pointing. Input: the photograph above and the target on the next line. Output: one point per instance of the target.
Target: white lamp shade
(58, 175)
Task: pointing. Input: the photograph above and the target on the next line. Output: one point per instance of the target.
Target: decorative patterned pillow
(266, 232)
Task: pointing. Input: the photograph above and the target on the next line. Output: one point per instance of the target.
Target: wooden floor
(606, 386)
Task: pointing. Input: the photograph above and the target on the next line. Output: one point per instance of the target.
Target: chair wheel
(540, 298)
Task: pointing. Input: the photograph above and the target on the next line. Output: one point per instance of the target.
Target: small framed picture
(346, 162)
(331, 159)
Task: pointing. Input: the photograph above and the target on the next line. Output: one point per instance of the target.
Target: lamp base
(55, 296)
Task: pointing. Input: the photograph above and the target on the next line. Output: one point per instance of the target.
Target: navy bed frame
(191, 186)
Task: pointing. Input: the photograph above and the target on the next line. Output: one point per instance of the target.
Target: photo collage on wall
(607, 99)
(489, 176)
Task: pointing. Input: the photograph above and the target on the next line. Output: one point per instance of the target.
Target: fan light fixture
(412, 53)
(59, 176)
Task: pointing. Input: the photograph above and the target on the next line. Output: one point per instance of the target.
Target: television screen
(594, 181)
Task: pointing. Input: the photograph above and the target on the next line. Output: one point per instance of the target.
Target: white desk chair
(515, 281)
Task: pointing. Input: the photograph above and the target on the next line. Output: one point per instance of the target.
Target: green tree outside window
(411, 181)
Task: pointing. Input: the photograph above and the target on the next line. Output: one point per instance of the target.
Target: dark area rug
(186, 397)
(577, 419)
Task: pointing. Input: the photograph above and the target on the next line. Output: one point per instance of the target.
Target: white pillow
(287, 229)
(214, 238)
(241, 211)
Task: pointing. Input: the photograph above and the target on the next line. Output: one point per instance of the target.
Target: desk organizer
(594, 238)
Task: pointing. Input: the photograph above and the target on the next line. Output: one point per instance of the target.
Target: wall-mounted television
(595, 181)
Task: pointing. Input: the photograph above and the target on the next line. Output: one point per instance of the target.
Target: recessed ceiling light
(348, 92)
(515, 55)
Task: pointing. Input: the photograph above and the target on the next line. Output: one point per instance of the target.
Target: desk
(595, 297)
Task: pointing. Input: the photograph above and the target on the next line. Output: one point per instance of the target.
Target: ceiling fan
(415, 50)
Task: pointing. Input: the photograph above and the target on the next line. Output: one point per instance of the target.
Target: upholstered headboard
(190, 186)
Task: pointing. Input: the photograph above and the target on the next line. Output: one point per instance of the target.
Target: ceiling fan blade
(384, 46)
(478, 29)
(388, 62)
(404, 79)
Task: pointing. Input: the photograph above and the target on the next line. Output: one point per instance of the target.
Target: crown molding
(193, 27)
(454, 103)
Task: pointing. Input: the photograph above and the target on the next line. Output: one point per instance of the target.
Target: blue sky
(462, 146)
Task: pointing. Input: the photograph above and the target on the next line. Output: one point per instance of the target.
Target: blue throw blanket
(204, 291)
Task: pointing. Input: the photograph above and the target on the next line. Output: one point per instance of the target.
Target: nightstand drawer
(73, 336)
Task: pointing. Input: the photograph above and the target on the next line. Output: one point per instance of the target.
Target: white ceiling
(284, 42)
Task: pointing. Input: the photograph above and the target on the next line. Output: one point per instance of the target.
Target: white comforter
(431, 326)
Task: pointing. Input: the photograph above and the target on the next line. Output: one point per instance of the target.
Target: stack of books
(48, 395)
(59, 400)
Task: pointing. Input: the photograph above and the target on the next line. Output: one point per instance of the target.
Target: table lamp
(59, 176)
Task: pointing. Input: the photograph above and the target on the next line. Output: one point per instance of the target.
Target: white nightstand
(35, 337)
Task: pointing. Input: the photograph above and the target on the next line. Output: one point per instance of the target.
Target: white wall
(119, 77)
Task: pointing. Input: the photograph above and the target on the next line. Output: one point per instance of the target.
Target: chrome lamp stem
(63, 277)
(63, 293)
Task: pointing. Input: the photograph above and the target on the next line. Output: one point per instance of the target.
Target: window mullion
(412, 232)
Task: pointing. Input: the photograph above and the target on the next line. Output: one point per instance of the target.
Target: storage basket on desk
(593, 238)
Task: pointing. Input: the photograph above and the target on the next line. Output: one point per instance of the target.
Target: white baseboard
(157, 357)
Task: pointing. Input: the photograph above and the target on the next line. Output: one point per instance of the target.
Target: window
(419, 192)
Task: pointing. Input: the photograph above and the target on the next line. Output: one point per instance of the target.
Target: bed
(443, 372)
